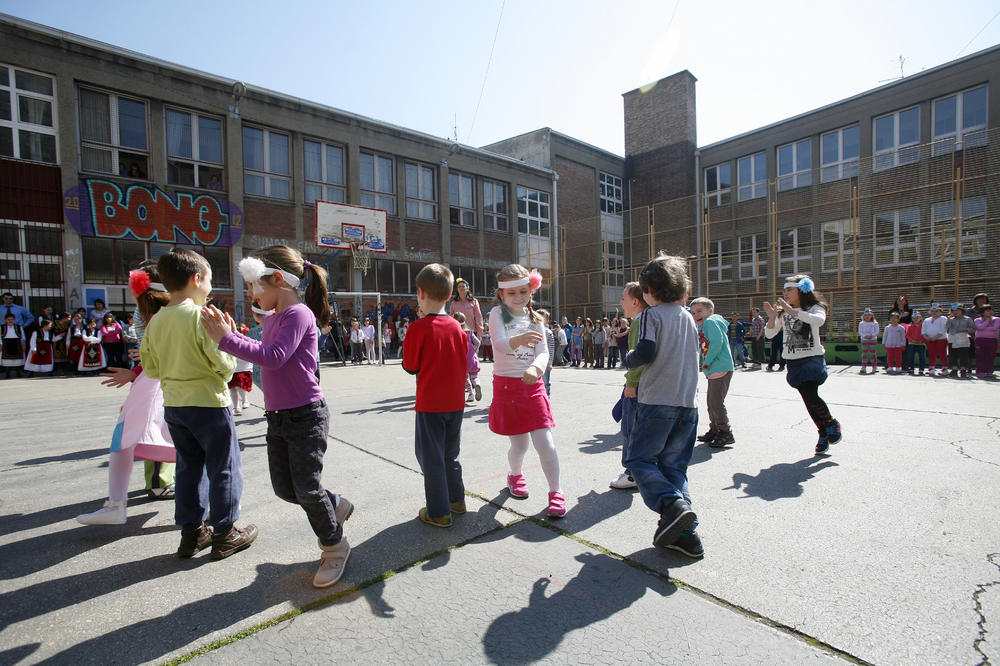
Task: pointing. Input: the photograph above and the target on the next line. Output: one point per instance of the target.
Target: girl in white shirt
(369, 332)
(868, 333)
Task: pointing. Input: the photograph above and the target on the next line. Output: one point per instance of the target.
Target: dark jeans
(209, 480)
(612, 356)
(776, 344)
(815, 405)
(959, 358)
(630, 407)
(114, 354)
(437, 443)
(296, 442)
(758, 350)
(921, 353)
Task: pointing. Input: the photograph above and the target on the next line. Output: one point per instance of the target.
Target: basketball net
(362, 257)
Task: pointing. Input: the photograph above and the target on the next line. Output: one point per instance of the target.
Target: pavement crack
(961, 451)
(977, 606)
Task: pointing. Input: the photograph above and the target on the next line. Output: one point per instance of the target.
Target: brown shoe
(233, 541)
(458, 507)
(193, 541)
(333, 559)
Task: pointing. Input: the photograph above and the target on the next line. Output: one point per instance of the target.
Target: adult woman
(467, 304)
(902, 306)
(98, 311)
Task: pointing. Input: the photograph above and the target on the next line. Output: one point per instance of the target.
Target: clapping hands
(217, 324)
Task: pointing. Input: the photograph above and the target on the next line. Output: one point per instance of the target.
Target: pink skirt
(518, 408)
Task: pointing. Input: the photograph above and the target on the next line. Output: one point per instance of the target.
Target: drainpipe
(557, 283)
(697, 221)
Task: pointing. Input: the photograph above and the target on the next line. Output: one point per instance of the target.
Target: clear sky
(562, 64)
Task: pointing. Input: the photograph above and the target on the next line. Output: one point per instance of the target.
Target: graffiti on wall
(106, 209)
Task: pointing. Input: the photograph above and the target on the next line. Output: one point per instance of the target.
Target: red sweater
(434, 350)
(914, 335)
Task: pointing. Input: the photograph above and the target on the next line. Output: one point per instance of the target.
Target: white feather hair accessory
(253, 269)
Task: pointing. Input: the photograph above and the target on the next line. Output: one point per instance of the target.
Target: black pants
(959, 358)
(437, 443)
(815, 405)
(776, 343)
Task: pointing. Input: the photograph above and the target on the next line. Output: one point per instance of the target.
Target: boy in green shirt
(193, 374)
(632, 305)
(717, 364)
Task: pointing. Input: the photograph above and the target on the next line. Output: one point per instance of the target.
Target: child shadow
(18, 654)
(602, 443)
(783, 480)
(21, 522)
(535, 631)
(75, 455)
(402, 403)
(589, 510)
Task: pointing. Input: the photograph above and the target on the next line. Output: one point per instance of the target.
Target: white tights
(546, 448)
(238, 395)
(119, 473)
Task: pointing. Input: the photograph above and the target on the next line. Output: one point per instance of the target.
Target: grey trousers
(718, 418)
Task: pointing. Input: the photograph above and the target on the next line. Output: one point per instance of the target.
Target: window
(896, 237)
(718, 184)
(194, 150)
(109, 261)
(113, 134)
(532, 212)
(971, 231)
(266, 163)
(461, 197)
(421, 195)
(960, 121)
(896, 136)
(614, 257)
(324, 169)
(753, 257)
(611, 193)
(838, 245)
(393, 277)
(795, 165)
(27, 123)
(494, 206)
(377, 183)
(753, 176)
(476, 277)
(795, 250)
(840, 150)
(720, 260)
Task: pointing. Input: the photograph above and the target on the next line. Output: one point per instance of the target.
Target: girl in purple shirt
(297, 417)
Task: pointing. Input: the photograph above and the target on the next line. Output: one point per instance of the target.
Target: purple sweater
(286, 355)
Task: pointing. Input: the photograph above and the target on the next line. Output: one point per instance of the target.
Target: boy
(959, 329)
(737, 331)
(435, 350)
(717, 364)
(193, 374)
(632, 305)
(663, 439)
(757, 336)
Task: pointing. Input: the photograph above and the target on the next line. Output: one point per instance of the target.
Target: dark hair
(99, 300)
(289, 260)
(43, 322)
(469, 296)
(108, 314)
(516, 272)
(807, 299)
(982, 295)
(436, 281)
(149, 302)
(544, 314)
(666, 278)
(9, 314)
(7, 293)
(178, 266)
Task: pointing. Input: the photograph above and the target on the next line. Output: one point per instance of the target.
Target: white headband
(253, 269)
(791, 284)
(262, 313)
(157, 286)
(520, 282)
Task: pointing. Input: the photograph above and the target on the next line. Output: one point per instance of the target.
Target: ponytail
(316, 297)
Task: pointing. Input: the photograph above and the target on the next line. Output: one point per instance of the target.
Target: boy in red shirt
(434, 350)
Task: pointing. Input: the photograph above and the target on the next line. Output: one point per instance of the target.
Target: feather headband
(534, 278)
(139, 283)
(253, 269)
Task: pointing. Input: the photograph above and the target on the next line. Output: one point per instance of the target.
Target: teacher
(467, 304)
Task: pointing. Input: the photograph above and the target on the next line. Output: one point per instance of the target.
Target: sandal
(517, 486)
(557, 505)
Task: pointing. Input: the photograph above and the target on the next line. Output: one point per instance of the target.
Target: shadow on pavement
(602, 443)
(75, 455)
(20, 522)
(402, 403)
(779, 481)
(589, 510)
(15, 655)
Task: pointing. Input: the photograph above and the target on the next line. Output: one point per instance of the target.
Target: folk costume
(13, 348)
(41, 354)
(92, 357)
(75, 344)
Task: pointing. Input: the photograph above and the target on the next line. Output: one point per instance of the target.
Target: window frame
(16, 125)
(841, 250)
(423, 205)
(267, 174)
(757, 269)
(756, 188)
(610, 192)
(719, 192)
(114, 146)
(542, 200)
(325, 184)
(958, 224)
(846, 167)
(195, 160)
(720, 254)
(492, 217)
(457, 211)
(614, 262)
(798, 256)
(940, 142)
(797, 177)
(378, 198)
(898, 153)
(897, 244)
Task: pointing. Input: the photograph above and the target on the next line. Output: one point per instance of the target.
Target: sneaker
(722, 440)
(112, 513)
(479, 392)
(233, 541)
(246, 404)
(443, 521)
(468, 397)
(833, 433)
(822, 445)
(458, 508)
(237, 411)
(674, 519)
(161, 493)
(333, 559)
(517, 486)
(623, 482)
(343, 510)
(194, 541)
(689, 544)
(708, 436)
(557, 505)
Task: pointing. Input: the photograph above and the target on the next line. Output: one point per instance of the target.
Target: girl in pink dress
(467, 304)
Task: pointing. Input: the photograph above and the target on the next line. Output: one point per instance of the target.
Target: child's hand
(133, 355)
(118, 377)
(215, 322)
(630, 392)
(771, 311)
(529, 339)
(531, 375)
(786, 307)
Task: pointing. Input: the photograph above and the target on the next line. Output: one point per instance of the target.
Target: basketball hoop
(362, 257)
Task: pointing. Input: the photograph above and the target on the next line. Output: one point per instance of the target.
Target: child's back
(671, 378)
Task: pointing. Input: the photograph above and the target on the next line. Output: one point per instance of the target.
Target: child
(665, 427)
(40, 354)
(717, 364)
(241, 384)
(935, 331)
(193, 373)
(75, 345)
(13, 346)
(987, 330)
(298, 421)
(401, 335)
(915, 343)
(386, 338)
(520, 408)
(894, 341)
(436, 351)
(600, 338)
(577, 335)
(959, 329)
(472, 388)
(92, 357)
(369, 332)
(632, 305)
(736, 331)
(868, 333)
(800, 314)
(612, 332)
(113, 341)
(757, 337)
(588, 343)
(486, 344)
(357, 343)
(550, 344)
(131, 337)
(561, 342)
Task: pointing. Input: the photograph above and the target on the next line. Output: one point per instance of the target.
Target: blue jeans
(630, 406)
(739, 351)
(209, 480)
(921, 353)
(660, 449)
(438, 441)
(613, 355)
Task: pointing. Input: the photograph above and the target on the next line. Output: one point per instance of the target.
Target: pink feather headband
(534, 279)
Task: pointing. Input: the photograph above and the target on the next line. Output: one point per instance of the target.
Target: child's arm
(774, 321)
(645, 348)
(290, 334)
(504, 345)
(476, 343)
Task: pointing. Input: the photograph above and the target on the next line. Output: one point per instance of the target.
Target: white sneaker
(623, 482)
(112, 513)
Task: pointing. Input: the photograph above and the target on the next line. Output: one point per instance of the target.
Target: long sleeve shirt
(801, 339)
(959, 329)
(510, 362)
(935, 328)
(987, 329)
(894, 336)
(868, 330)
(472, 312)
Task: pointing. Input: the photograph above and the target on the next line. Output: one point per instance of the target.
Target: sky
(486, 70)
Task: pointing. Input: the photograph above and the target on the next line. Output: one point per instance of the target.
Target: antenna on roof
(901, 74)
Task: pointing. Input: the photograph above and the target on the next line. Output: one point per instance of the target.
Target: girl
(298, 420)
(868, 332)
(467, 304)
(520, 407)
(40, 357)
(401, 335)
(92, 357)
(141, 431)
(621, 337)
(486, 344)
(588, 343)
(894, 341)
(74, 348)
(987, 330)
(386, 338)
(600, 345)
(130, 336)
(472, 388)
(357, 342)
(915, 344)
(13, 346)
(935, 331)
(800, 314)
(606, 345)
(577, 353)
(113, 341)
(241, 384)
(613, 342)
(369, 333)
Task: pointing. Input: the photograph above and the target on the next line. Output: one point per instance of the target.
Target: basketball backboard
(339, 225)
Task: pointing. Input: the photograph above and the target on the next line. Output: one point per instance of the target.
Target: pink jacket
(473, 315)
(987, 329)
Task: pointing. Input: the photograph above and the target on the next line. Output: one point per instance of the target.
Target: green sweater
(177, 351)
(632, 375)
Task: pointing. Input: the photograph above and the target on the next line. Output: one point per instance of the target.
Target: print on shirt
(515, 328)
(798, 335)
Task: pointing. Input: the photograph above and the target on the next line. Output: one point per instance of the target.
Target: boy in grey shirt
(959, 329)
(663, 438)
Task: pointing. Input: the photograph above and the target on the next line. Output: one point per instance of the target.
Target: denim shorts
(802, 370)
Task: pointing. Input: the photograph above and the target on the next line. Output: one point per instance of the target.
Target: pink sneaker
(517, 486)
(557, 505)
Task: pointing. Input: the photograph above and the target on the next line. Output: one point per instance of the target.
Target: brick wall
(498, 247)
(464, 243)
(423, 237)
(270, 219)
(662, 115)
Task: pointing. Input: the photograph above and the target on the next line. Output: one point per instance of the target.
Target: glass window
(896, 136)
(421, 197)
(462, 204)
(377, 182)
(718, 184)
(720, 261)
(795, 165)
(610, 192)
(753, 256)
(194, 150)
(967, 231)
(27, 123)
(840, 151)
(795, 250)
(494, 206)
(533, 212)
(266, 163)
(113, 134)
(324, 169)
(960, 121)
(753, 176)
(896, 238)
(838, 240)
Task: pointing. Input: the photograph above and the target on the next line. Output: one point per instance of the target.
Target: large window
(27, 120)
(394, 277)
(324, 167)
(614, 257)
(840, 150)
(266, 163)
(795, 165)
(960, 120)
(461, 200)
(718, 184)
(753, 176)
(194, 150)
(611, 193)
(113, 134)
(897, 236)
(421, 194)
(532, 212)
(482, 282)
(968, 231)
(895, 137)
(494, 206)
(753, 256)
(838, 238)
(378, 188)
(108, 261)
(720, 261)
(795, 248)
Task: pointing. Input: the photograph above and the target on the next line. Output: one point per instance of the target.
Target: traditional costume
(60, 341)
(92, 356)
(13, 347)
(40, 358)
(75, 344)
